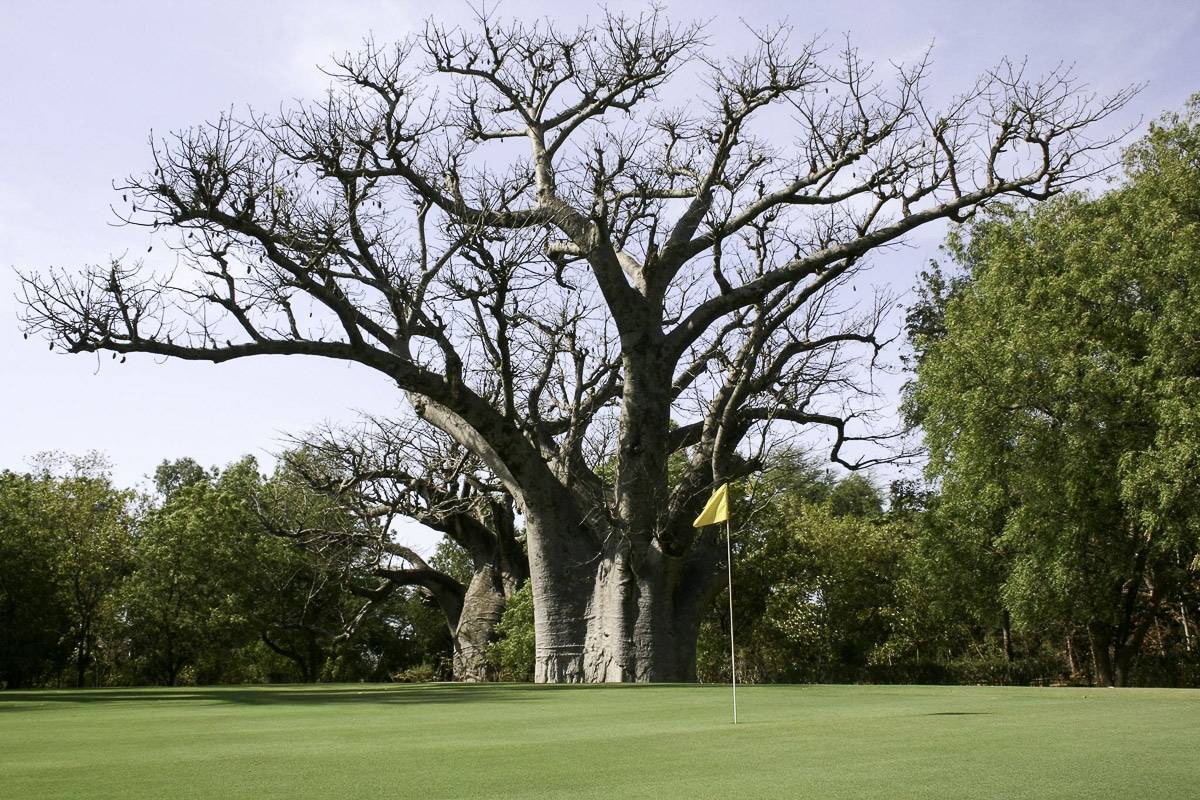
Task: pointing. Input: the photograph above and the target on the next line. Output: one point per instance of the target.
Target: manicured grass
(506, 741)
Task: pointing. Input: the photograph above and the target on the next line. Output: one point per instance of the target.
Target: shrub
(512, 654)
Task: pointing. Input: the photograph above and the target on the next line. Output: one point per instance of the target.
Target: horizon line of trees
(835, 581)
(1055, 377)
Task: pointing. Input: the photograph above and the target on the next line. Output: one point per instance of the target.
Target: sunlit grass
(506, 741)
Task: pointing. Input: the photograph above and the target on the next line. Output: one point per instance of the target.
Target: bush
(971, 671)
(421, 673)
(512, 654)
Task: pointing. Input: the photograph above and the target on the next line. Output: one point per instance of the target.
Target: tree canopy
(1060, 399)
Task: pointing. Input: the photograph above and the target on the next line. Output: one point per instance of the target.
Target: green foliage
(453, 560)
(1060, 404)
(855, 496)
(420, 673)
(947, 594)
(512, 654)
(419, 632)
(191, 586)
(199, 559)
(33, 605)
(814, 580)
(68, 531)
(171, 476)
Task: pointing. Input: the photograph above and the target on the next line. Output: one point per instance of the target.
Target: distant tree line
(101, 585)
(835, 581)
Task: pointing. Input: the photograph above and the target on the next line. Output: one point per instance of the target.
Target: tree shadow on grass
(297, 694)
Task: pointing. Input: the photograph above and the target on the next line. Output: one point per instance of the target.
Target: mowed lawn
(507, 741)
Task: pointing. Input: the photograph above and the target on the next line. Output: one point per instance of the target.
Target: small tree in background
(368, 479)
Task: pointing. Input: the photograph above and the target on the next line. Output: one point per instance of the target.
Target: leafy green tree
(856, 496)
(33, 610)
(815, 566)
(512, 654)
(90, 523)
(217, 596)
(171, 476)
(196, 558)
(296, 600)
(1061, 404)
(947, 595)
(65, 546)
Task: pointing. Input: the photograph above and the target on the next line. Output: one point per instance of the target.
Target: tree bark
(564, 570)
(613, 615)
(1116, 655)
(483, 605)
(619, 591)
(1100, 640)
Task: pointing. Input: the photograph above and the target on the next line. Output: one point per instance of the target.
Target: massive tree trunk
(672, 595)
(620, 582)
(564, 564)
(605, 613)
(622, 627)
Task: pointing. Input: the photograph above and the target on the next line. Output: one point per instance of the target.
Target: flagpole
(732, 657)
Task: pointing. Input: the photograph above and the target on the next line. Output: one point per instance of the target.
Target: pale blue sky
(84, 82)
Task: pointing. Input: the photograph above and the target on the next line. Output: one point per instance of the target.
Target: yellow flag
(717, 509)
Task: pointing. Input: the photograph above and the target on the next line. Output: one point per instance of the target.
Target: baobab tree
(606, 261)
(343, 491)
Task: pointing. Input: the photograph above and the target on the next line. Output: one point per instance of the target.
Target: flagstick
(732, 658)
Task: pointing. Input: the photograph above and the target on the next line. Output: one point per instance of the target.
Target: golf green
(520, 741)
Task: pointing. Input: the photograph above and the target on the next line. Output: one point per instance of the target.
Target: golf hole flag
(717, 509)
